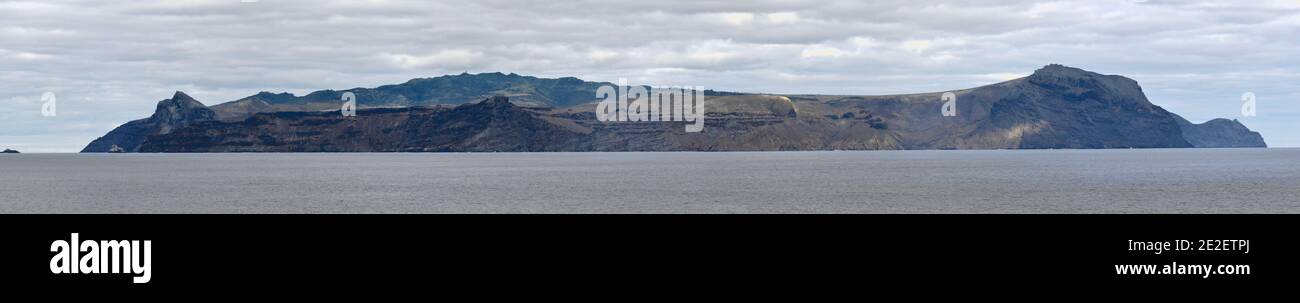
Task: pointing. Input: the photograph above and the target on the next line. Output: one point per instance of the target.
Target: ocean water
(1005, 181)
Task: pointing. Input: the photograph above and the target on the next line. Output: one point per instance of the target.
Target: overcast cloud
(109, 62)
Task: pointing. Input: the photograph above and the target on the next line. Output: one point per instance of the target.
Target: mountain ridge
(447, 89)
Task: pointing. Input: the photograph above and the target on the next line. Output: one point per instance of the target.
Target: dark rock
(9, 151)
(1220, 133)
(493, 124)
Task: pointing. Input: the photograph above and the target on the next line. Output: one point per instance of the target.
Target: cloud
(821, 51)
(110, 61)
(452, 58)
(783, 17)
(916, 46)
(737, 19)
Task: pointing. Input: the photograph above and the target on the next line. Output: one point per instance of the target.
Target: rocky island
(9, 151)
(1056, 107)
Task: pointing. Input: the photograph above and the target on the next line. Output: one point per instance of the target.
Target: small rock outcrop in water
(1055, 107)
(170, 114)
(9, 151)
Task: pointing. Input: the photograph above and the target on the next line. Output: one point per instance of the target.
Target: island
(1056, 107)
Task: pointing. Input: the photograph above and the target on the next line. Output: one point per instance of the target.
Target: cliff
(169, 115)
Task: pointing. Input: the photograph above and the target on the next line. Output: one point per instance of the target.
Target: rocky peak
(179, 111)
(1057, 75)
(181, 98)
(178, 102)
(1081, 84)
(1062, 70)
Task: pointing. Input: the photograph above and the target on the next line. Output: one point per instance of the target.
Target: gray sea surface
(990, 181)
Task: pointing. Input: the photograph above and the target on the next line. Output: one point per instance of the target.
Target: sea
(933, 182)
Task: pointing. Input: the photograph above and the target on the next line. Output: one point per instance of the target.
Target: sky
(109, 62)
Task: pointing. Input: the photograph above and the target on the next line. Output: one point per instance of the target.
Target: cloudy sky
(108, 62)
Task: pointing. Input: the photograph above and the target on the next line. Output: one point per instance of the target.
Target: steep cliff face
(170, 114)
(1220, 133)
(491, 125)
(1055, 107)
(1064, 107)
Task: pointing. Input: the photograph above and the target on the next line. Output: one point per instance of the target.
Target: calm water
(1046, 181)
